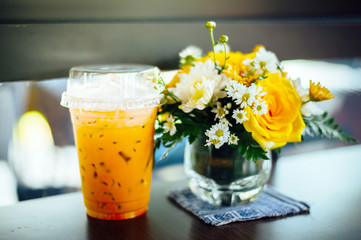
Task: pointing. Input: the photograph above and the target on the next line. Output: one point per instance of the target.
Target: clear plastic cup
(113, 109)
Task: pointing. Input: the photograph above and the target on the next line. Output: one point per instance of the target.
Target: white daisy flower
(199, 87)
(258, 97)
(246, 98)
(266, 60)
(191, 50)
(218, 131)
(233, 140)
(252, 70)
(260, 108)
(240, 116)
(217, 143)
(224, 121)
(302, 92)
(248, 62)
(169, 125)
(219, 134)
(235, 89)
(220, 111)
(311, 108)
(220, 48)
(259, 90)
(231, 88)
(153, 77)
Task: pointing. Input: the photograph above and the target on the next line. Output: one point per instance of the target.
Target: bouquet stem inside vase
(222, 176)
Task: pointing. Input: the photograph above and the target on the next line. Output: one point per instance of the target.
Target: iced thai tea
(113, 111)
(115, 151)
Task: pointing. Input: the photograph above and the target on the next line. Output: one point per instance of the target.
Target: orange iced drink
(113, 110)
(115, 150)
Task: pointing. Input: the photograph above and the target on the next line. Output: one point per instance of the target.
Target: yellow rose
(283, 122)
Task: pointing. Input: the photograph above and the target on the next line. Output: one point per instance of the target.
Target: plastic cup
(113, 110)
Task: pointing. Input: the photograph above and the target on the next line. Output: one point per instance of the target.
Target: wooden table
(328, 180)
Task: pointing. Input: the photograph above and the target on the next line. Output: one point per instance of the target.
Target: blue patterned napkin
(269, 204)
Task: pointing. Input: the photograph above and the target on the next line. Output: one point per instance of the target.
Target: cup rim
(112, 68)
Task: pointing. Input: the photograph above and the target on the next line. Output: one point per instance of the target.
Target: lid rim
(112, 68)
(108, 105)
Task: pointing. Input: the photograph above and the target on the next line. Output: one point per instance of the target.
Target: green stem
(225, 56)
(214, 53)
(309, 100)
(166, 91)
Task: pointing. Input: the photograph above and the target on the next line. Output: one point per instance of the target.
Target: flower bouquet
(234, 108)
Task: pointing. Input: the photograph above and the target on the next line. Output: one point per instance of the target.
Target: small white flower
(220, 111)
(248, 62)
(154, 78)
(217, 135)
(258, 90)
(246, 98)
(229, 105)
(240, 93)
(169, 125)
(264, 61)
(216, 142)
(244, 95)
(233, 140)
(193, 51)
(220, 48)
(302, 92)
(260, 108)
(233, 87)
(311, 108)
(224, 121)
(218, 131)
(152, 74)
(252, 70)
(199, 87)
(240, 116)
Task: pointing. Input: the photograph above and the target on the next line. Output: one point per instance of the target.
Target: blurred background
(41, 40)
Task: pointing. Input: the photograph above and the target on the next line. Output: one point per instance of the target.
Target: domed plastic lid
(111, 87)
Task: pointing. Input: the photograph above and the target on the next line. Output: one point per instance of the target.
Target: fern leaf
(325, 127)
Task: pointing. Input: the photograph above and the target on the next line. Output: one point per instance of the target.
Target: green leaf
(157, 143)
(325, 127)
(249, 148)
(242, 149)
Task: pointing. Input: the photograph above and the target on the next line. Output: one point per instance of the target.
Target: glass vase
(223, 176)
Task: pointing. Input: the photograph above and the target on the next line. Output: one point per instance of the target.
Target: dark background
(42, 39)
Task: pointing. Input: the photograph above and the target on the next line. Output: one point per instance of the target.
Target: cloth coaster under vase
(269, 204)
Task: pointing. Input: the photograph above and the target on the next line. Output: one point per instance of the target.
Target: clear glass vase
(222, 176)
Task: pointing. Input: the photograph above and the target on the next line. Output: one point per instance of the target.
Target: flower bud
(210, 25)
(229, 105)
(223, 39)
